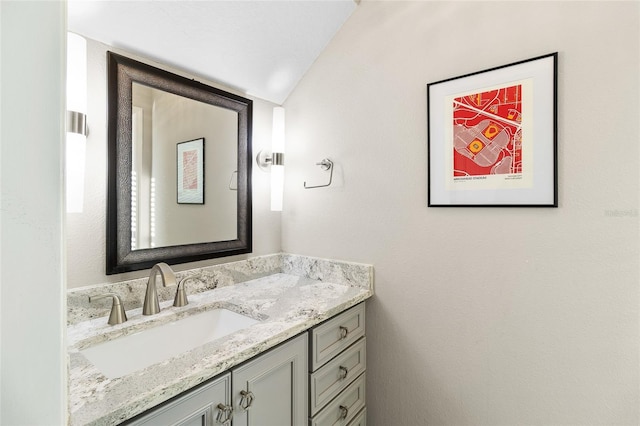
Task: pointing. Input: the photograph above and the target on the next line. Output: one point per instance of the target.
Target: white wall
(32, 293)
(533, 317)
(85, 233)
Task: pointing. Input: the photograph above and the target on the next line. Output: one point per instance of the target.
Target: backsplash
(132, 292)
(326, 270)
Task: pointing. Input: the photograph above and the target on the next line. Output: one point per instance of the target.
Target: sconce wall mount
(265, 159)
(77, 123)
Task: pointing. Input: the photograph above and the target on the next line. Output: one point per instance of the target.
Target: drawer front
(333, 377)
(335, 335)
(361, 419)
(344, 408)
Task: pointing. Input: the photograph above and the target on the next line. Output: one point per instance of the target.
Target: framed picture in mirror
(190, 162)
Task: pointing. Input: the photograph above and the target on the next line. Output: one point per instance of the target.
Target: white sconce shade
(76, 73)
(76, 123)
(277, 188)
(75, 158)
(277, 165)
(277, 142)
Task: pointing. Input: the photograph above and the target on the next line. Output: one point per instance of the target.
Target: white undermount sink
(124, 355)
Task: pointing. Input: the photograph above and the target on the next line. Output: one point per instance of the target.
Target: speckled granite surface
(288, 294)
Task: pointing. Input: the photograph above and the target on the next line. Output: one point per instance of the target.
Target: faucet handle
(118, 314)
(181, 294)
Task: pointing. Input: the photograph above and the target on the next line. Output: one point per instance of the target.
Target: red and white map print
(487, 133)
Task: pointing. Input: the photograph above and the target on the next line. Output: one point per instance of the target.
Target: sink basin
(119, 357)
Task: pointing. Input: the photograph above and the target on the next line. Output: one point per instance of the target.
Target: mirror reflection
(180, 144)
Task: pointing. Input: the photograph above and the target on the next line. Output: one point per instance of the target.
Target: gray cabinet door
(271, 390)
(195, 408)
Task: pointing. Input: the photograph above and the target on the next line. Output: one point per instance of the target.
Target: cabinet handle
(246, 399)
(344, 412)
(344, 331)
(344, 371)
(225, 414)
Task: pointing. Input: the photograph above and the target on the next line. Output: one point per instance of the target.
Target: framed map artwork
(190, 160)
(492, 137)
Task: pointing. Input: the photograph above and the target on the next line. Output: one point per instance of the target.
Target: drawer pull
(344, 332)
(225, 414)
(344, 412)
(246, 399)
(344, 372)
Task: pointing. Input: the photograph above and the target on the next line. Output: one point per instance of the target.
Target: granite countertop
(285, 303)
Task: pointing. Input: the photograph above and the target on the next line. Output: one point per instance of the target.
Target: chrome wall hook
(325, 165)
(265, 159)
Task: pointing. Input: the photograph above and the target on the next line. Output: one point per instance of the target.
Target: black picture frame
(492, 137)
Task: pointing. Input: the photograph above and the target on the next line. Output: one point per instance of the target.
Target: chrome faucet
(151, 305)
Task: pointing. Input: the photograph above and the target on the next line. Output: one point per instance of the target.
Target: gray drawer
(361, 419)
(335, 335)
(344, 408)
(333, 377)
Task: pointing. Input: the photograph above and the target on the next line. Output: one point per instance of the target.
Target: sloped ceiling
(262, 48)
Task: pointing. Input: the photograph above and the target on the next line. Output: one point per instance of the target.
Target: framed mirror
(179, 168)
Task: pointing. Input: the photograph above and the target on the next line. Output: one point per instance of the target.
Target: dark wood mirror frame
(122, 72)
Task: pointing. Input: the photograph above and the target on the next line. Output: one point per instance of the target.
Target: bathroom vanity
(270, 389)
(301, 360)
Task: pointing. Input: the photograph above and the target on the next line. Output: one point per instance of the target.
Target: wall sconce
(76, 121)
(274, 160)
